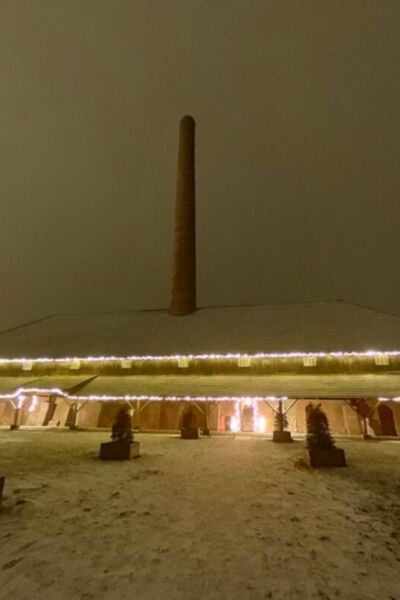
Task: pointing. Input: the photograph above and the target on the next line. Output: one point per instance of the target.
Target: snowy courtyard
(221, 517)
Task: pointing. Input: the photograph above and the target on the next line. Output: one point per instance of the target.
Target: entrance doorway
(246, 417)
(388, 426)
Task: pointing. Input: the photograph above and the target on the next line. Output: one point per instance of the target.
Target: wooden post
(364, 412)
(2, 479)
(138, 414)
(50, 410)
(72, 416)
(15, 424)
(17, 407)
(280, 412)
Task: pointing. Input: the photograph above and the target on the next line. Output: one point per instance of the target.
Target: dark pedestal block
(119, 450)
(333, 457)
(282, 436)
(189, 433)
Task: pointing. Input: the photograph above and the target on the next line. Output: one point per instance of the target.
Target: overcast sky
(297, 105)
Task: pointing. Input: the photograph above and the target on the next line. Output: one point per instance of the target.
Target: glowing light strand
(21, 393)
(130, 397)
(212, 356)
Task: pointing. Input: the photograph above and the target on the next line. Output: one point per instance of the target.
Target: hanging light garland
(197, 357)
(129, 397)
(21, 393)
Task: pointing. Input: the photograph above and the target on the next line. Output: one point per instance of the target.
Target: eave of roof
(211, 387)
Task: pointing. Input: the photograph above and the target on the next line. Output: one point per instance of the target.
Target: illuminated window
(381, 359)
(244, 361)
(183, 362)
(309, 361)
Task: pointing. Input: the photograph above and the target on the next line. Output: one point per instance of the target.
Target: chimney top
(187, 118)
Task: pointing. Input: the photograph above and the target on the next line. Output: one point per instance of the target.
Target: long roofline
(201, 308)
(272, 331)
(27, 324)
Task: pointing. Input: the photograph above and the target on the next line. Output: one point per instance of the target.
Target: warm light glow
(255, 415)
(381, 359)
(394, 399)
(244, 361)
(128, 397)
(20, 400)
(33, 405)
(213, 356)
(234, 424)
(261, 424)
(309, 361)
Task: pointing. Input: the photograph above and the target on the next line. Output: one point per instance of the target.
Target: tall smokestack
(183, 298)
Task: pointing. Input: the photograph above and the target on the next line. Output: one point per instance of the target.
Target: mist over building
(234, 365)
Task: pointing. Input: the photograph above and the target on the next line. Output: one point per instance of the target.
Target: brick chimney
(183, 297)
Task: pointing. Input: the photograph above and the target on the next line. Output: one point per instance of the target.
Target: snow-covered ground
(215, 518)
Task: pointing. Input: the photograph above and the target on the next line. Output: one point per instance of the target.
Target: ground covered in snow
(215, 518)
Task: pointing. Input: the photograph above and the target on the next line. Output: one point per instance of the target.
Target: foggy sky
(298, 145)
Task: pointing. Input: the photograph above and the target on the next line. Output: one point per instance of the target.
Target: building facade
(233, 364)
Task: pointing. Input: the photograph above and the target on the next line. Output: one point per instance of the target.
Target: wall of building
(6, 412)
(167, 415)
(338, 419)
(395, 406)
(89, 415)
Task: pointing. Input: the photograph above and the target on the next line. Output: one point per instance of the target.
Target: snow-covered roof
(370, 385)
(300, 386)
(302, 327)
(8, 385)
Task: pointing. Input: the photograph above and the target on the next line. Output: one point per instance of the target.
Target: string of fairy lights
(201, 357)
(22, 394)
(128, 360)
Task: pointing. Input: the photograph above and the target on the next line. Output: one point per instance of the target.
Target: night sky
(297, 105)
